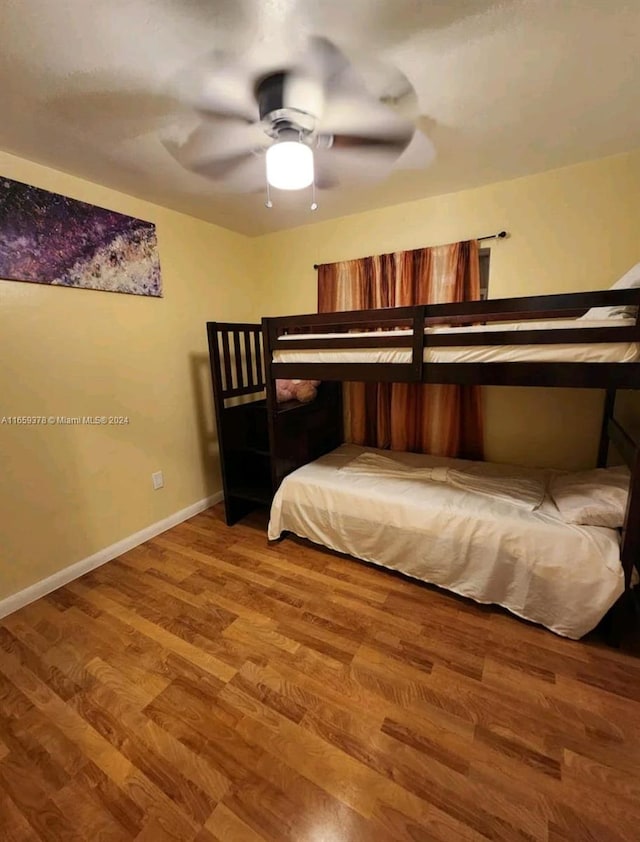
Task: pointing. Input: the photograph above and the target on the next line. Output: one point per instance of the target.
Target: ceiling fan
(321, 121)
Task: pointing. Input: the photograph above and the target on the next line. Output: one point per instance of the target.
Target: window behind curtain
(484, 257)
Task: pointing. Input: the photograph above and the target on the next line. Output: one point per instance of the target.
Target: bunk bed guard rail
(236, 356)
(319, 329)
(406, 327)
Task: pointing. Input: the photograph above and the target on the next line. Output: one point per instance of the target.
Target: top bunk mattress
(560, 575)
(592, 352)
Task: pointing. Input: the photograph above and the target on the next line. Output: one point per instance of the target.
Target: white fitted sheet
(592, 352)
(560, 575)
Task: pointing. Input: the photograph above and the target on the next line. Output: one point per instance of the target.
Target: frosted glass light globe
(289, 165)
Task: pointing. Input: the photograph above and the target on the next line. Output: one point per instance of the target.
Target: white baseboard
(74, 571)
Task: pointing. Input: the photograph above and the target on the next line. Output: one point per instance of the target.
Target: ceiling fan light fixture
(289, 165)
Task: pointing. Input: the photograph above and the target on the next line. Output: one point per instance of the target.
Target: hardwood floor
(206, 686)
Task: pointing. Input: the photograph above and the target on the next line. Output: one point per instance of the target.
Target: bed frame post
(620, 616)
(417, 351)
(268, 336)
(628, 446)
(218, 403)
(607, 415)
(630, 551)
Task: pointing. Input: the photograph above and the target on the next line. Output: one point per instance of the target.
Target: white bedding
(592, 352)
(561, 575)
(515, 488)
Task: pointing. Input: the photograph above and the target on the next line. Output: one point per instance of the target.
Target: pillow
(592, 498)
(630, 280)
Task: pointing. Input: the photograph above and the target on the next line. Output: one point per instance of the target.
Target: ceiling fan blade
(393, 145)
(349, 111)
(325, 179)
(418, 154)
(384, 82)
(324, 59)
(217, 139)
(242, 173)
(221, 168)
(352, 165)
(218, 86)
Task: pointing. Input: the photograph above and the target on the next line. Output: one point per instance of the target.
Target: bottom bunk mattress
(492, 550)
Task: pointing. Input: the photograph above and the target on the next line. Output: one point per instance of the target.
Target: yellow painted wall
(571, 229)
(67, 492)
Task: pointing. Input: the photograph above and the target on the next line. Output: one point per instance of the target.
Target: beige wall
(571, 229)
(67, 492)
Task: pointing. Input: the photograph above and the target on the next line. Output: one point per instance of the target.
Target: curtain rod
(499, 236)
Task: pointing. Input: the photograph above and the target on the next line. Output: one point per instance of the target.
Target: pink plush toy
(296, 390)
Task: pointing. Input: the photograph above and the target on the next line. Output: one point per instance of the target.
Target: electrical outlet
(157, 479)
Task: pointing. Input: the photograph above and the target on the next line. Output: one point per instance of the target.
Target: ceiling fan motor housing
(282, 117)
(270, 93)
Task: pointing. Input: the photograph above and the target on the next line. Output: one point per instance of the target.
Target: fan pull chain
(268, 203)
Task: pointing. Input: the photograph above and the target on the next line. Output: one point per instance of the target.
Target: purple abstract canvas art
(46, 238)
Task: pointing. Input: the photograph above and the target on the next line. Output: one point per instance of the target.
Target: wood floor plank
(29, 792)
(15, 827)
(343, 775)
(107, 714)
(103, 597)
(160, 811)
(225, 826)
(73, 726)
(210, 687)
(113, 798)
(86, 812)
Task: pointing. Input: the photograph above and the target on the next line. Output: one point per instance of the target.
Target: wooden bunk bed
(533, 341)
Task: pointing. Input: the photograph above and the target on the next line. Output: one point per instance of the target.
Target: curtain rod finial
(315, 265)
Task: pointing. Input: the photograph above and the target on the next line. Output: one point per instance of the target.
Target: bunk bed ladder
(259, 440)
(237, 376)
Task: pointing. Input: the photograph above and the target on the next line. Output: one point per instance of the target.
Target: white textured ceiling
(507, 88)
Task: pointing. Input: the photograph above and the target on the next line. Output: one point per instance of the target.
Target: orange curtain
(444, 420)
